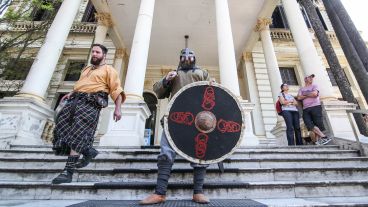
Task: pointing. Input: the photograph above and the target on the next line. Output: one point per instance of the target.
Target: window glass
(74, 68)
(288, 75)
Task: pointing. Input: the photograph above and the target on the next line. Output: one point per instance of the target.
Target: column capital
(120, 53)
(247, 56)
(262, 24)
(104, 19)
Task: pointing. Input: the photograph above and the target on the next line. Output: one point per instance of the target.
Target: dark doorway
(151, 102)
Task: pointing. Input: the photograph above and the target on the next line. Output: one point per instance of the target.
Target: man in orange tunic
(77, 121)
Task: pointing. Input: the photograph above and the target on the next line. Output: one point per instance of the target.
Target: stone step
(186, 174)
(151, 163)
(156, 147)
(177, 190)
(306, 153)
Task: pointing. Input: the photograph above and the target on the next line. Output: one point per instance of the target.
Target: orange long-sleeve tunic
(104, 78)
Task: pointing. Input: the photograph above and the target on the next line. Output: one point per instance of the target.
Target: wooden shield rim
(171, 142)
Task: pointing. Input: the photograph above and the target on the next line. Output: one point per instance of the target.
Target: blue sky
(357, 10)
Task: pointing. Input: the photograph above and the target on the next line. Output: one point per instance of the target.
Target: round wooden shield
(204, 122)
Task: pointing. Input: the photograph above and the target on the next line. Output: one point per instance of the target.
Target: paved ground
(329, 201)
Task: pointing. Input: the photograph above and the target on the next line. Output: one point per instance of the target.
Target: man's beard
(97, 61)
(187, 65)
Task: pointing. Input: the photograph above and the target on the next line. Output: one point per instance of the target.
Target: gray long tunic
(162, 89)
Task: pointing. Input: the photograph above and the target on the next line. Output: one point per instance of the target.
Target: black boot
(67, 175)
(87, 157)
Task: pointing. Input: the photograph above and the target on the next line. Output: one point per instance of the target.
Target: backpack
(278, 106)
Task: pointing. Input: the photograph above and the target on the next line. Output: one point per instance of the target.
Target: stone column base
(280, 132)
(249, 139)
(337, 119)
(129, 131)
(22, 121)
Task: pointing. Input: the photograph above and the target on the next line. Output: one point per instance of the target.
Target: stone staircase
(307, 172)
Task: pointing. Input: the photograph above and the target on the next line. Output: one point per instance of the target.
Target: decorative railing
(282, 34)
(81, 27)
(285, 34)
(78, 27)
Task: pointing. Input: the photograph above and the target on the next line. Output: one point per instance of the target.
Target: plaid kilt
(76, 131)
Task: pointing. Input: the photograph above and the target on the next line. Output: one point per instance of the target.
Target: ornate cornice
(104, 19)
(263, 23)
(247, 56)
(120, 53)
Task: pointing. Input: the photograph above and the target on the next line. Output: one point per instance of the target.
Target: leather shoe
(87, 158)
(64, 177)
(200, 198)
(153, 199)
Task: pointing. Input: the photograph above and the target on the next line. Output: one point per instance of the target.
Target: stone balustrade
(282, 34)
(285, 34)
(84, 27)
(78, 27)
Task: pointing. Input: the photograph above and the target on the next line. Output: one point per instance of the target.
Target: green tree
(23, 27)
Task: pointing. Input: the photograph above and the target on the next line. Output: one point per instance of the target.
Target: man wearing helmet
(167, 87)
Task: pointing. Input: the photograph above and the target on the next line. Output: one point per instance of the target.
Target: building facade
(249, 48)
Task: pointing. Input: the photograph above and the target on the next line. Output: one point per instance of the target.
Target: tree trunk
(350, 53)
(332, 60)
(352, 31)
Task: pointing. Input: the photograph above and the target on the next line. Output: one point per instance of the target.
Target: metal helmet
(187, 59)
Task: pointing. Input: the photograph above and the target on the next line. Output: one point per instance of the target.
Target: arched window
(150, 126)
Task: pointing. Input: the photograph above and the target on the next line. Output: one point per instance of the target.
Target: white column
(104, 22)
(47, 58)
(270, 56)
(119, 60)
(258, 123)
(273, 72)
(107, 113)
(129, 131)
(310, 61)
(226, 52)
(138, 57)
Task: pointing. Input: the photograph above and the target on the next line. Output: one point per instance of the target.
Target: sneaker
(326, 140)
(319, 142)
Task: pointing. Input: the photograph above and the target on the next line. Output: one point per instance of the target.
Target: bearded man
(77, 121)
(186, 73)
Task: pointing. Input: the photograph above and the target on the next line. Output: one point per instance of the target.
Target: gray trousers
(165, 162)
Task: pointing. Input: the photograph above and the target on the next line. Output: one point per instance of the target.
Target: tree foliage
(23, 26)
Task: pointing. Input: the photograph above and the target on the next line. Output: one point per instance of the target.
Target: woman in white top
(291, 116)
